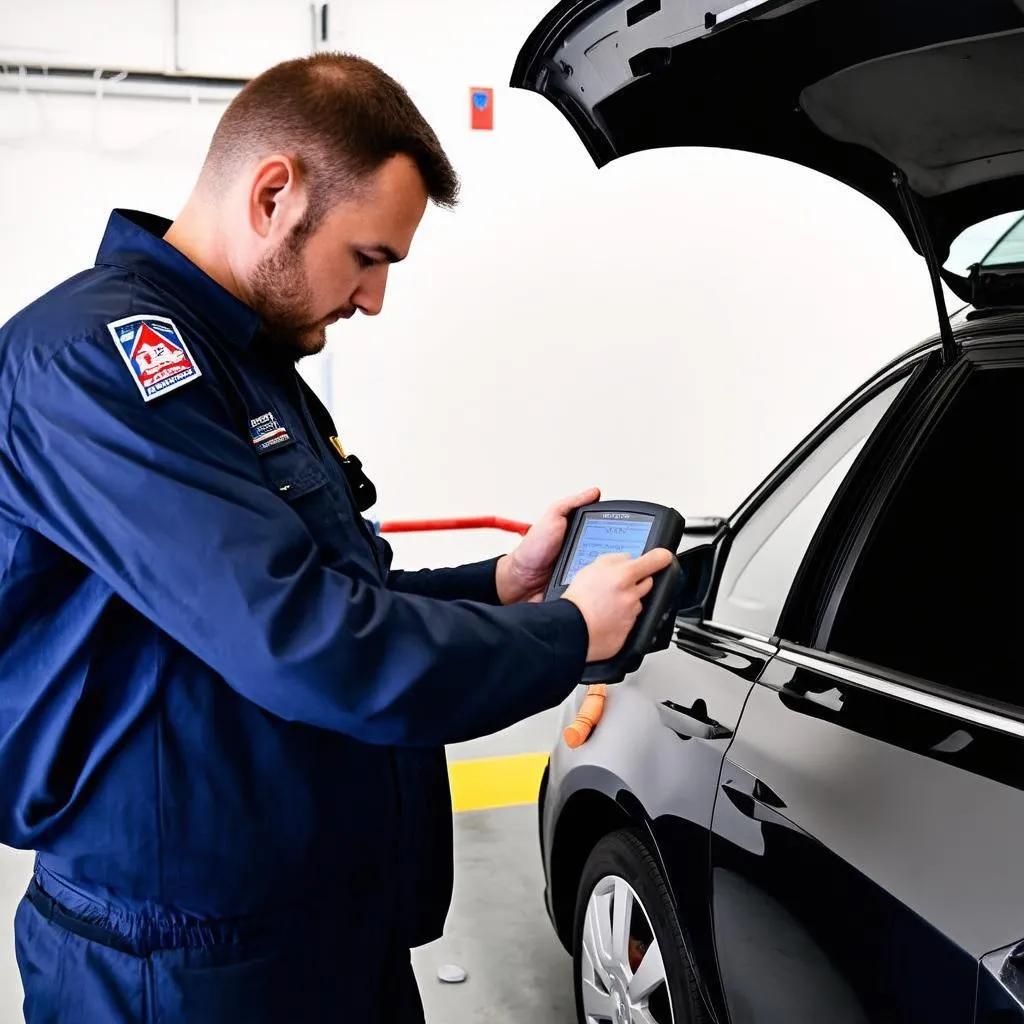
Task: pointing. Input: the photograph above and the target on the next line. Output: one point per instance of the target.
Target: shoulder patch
(155, 353)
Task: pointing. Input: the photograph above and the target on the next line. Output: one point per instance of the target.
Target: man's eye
(364, 260)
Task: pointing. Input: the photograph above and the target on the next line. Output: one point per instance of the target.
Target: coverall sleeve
(166, 501)
(474, 582)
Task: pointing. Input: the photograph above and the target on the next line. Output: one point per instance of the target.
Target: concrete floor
(497, 930)
(15, 869)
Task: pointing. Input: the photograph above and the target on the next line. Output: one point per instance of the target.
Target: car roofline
(877, 382)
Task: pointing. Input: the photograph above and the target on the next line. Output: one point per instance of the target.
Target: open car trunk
(918, 104)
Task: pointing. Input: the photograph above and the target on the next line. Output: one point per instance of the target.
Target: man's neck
(195, 235)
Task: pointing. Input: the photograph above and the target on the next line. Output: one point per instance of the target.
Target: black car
(809, 807)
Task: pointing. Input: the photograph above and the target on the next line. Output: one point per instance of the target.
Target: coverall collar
(134, 241)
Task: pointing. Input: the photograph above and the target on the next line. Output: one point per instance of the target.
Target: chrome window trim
(899, 691)
(741, 8)
(755, 641)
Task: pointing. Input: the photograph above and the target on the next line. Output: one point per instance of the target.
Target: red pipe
(430, 525)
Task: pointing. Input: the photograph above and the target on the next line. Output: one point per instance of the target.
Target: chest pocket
(296, 476)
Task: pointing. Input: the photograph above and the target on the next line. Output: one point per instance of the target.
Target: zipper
(925, 245)
(319, 445)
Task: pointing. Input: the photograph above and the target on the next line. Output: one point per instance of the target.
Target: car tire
(619, 975)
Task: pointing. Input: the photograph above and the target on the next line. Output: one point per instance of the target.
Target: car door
(868, 831)
(698, 687)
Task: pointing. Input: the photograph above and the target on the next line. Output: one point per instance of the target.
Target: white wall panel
(132, 35)
(241, 38)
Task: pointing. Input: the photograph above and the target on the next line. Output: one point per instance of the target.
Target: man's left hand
(524, 574)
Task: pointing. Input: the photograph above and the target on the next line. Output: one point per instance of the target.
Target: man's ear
(277, 198)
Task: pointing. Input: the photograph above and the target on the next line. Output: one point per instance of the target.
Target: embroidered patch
(267, 433)
(155, 353)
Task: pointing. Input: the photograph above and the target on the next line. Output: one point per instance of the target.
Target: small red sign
(481, 107)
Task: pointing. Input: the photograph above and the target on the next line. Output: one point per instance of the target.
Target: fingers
(651, 563)
(587, 497)
(644, 587)
(612, 557)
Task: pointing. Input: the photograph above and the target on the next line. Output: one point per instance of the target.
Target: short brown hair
(340, 117)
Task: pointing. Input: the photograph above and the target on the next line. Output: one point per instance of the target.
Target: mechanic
(222, 713)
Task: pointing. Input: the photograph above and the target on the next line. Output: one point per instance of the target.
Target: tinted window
(1009, 250)
(936, 591)
(980, 243)
(767, 550)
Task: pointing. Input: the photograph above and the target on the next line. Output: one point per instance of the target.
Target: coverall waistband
(136, 933)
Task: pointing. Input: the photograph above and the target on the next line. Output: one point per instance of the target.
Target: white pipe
(172, 55)
(97, 87)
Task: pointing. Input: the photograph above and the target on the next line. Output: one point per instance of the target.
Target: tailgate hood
(856, 89)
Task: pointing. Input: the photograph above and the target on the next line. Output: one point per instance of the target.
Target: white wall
(225, 39)
(666, 328)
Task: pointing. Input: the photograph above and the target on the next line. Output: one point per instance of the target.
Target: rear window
(1009, 250)
(936, 592)
(997, 242)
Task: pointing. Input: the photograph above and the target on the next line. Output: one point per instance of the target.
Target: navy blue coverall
(221, 711)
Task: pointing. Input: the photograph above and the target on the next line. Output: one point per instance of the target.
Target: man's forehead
(382, 218)
(377, 233)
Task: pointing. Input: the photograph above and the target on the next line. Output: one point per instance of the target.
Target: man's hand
(524, 574)
(608, 593)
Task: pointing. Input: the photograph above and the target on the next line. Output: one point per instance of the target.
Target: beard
(281, 295)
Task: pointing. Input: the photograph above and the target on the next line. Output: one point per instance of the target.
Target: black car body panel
(842, 841)
(641, 779)
(829, 848)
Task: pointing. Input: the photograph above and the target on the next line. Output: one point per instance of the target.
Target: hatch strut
(927, 249)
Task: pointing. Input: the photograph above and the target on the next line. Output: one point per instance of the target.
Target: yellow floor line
(496, 781)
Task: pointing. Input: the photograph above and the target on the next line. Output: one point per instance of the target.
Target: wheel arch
(587, 817)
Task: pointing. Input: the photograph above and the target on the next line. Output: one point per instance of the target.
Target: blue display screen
(603, 534)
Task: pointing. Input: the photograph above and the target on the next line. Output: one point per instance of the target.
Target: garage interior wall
(666, 328)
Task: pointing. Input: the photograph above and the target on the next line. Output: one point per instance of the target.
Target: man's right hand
(608, 593)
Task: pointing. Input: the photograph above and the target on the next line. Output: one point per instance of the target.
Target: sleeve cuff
(568, 637)
(481, 581)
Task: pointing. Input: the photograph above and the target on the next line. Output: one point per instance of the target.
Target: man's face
(307, 283)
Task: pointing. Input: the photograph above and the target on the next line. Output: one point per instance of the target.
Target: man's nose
(369, 297)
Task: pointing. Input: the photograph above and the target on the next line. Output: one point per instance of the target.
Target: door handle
(755, 799)
(755, 793)
(694, 722)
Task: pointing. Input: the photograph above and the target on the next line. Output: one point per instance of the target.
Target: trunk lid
(917, 104)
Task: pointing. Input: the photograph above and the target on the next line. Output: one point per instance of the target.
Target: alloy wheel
(623, 974)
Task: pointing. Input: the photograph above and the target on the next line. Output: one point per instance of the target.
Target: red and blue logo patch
(155, 353)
